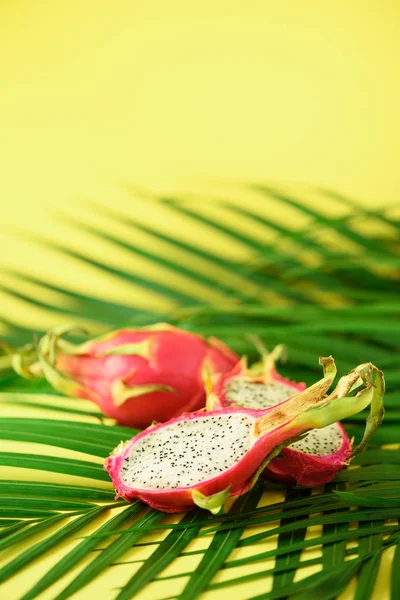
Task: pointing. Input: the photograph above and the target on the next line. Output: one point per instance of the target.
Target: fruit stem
(339, 406)
(289, 412)
(266, 365)
(376, 413)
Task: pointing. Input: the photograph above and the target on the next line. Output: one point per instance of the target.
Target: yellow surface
(96, 94)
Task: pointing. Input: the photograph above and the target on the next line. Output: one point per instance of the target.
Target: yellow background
(95, 94)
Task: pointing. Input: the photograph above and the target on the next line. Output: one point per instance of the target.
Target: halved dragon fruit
(317, 457)
(135, 376)
(205, 457)
(258, 387)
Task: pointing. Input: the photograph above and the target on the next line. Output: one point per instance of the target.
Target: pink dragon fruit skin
(136, 376)
(203, 458)
(309, 470)
(180, 499)
(300, 463)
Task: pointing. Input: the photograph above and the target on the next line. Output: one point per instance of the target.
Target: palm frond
(283, 577)
(165, 553)
(30, 554)
(221, 546)
(395, 587)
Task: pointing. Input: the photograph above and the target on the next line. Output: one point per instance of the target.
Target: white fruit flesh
(188, 452)
(318, 442)
(258, 395)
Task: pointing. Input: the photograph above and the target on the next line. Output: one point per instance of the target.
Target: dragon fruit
(135, 376)
(204, 458)
(311, 461)
(238, 388)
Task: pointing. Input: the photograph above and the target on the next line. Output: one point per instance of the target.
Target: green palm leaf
(286, 539)
(110, 554)
(222, 545)
(47, 544)
(165, 553)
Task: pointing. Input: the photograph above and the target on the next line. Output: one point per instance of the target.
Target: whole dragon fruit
(135, 376)
(204, 458)
(317, 457)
